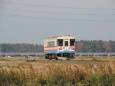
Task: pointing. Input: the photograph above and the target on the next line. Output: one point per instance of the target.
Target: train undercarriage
(67, 56)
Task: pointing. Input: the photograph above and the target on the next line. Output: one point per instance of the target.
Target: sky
(31, 21)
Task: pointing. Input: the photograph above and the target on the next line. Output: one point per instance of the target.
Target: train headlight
(60, 48)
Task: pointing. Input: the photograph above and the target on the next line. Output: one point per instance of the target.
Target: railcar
(59, 46)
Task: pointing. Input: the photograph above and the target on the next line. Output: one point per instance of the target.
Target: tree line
(80, 46)
(95, 46)
(21, 48)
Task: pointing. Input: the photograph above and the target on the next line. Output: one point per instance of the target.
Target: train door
(66, 44)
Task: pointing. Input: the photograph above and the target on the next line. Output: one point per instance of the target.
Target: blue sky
(28, 21)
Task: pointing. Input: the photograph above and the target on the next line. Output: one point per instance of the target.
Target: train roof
(60, 36)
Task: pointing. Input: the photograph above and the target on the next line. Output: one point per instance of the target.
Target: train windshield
(66, 43)
(72, 42)
(60, 42)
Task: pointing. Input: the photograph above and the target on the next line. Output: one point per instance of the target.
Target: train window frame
(51, 43)
(59, 42)
(66, 43)
(72, 42)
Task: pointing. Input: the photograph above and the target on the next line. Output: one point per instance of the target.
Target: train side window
(72, 42)
(60, 42)
(51, 44)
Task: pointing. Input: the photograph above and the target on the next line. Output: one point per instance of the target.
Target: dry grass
(38, 73)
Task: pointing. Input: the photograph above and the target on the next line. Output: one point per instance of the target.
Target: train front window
(66, 43)
(72, 42)
(60, 42)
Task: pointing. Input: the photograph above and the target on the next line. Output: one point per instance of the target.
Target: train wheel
(46, 56)
(56, 58)
(72, 56)
(50, 57)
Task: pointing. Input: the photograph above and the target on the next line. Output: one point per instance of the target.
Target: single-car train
(59, 46)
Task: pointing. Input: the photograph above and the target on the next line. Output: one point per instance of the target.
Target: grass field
(81, 71)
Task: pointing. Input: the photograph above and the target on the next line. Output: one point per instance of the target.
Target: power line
(57, 19)
(48, 12)
(59, 7)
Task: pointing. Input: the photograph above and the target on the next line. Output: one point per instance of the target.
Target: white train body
(59, 45)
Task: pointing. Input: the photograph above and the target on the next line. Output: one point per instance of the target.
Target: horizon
(75, 40)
